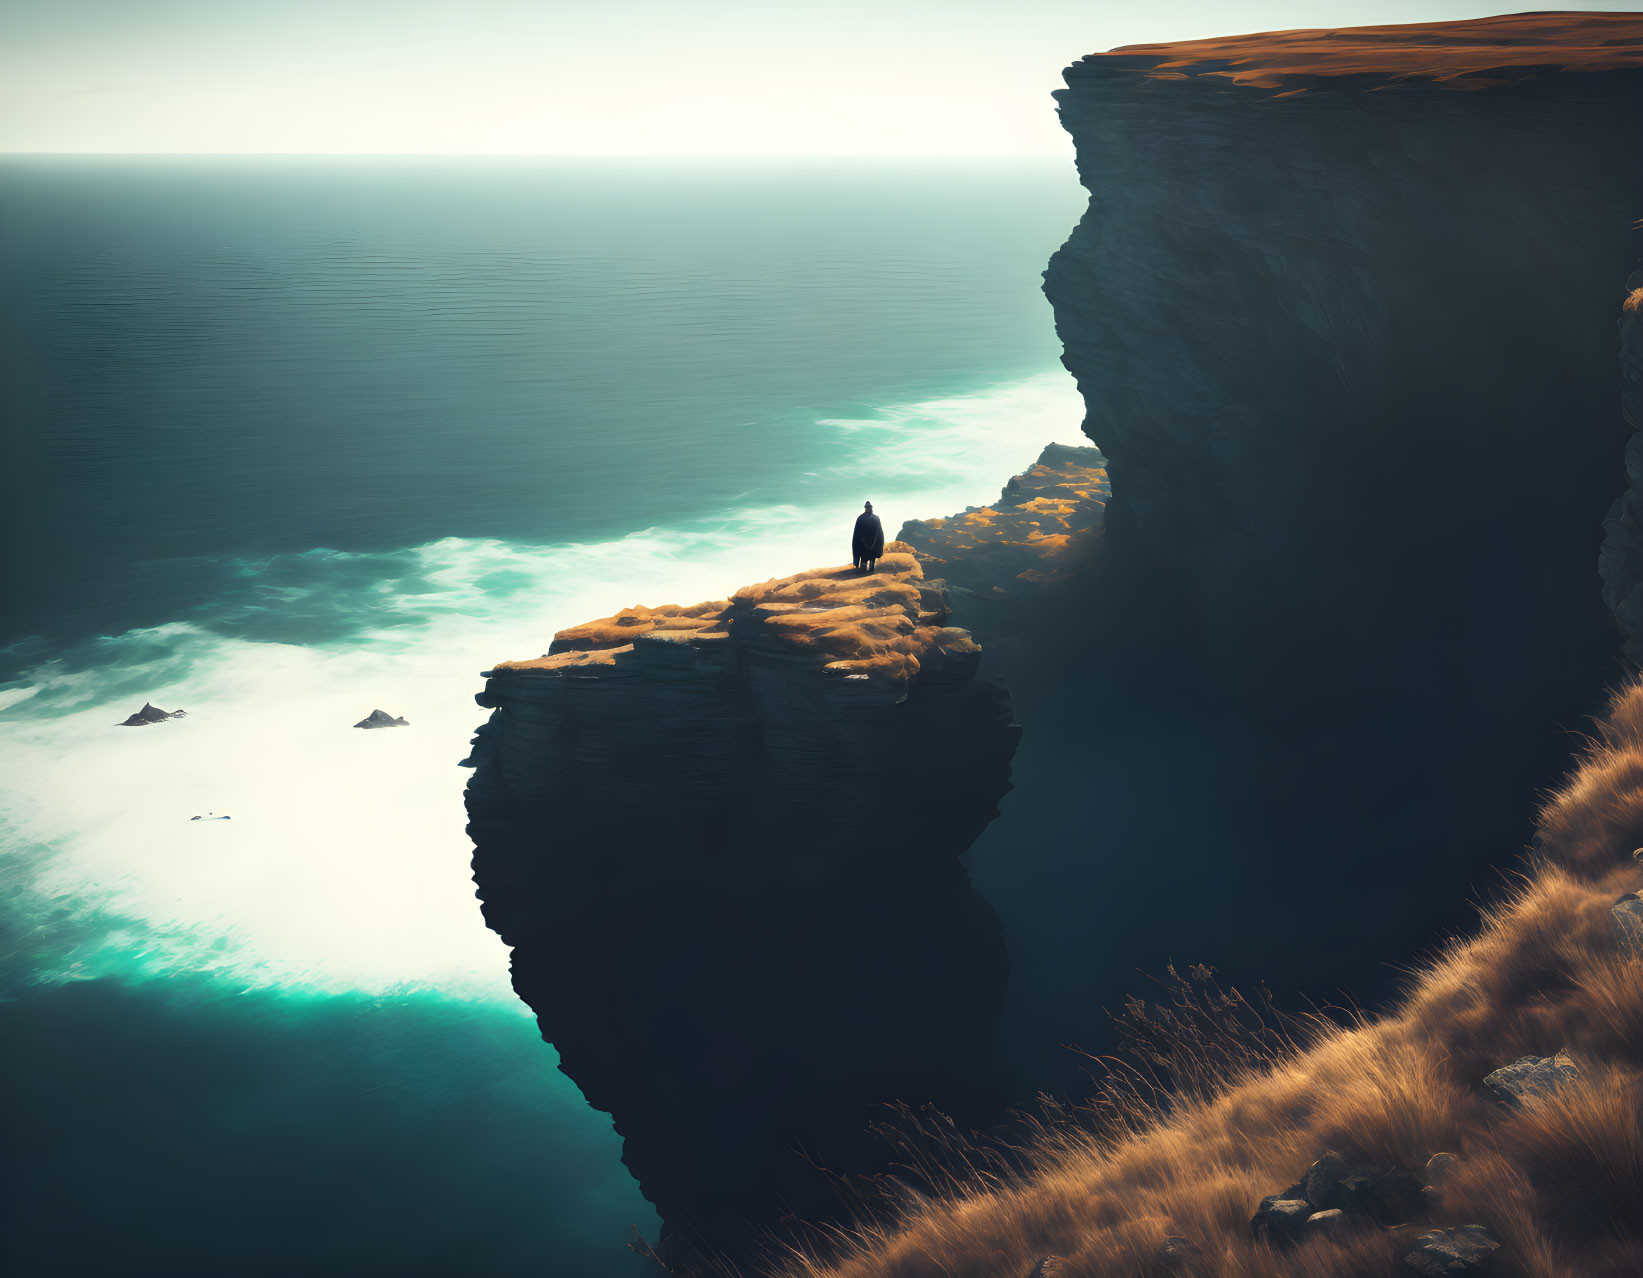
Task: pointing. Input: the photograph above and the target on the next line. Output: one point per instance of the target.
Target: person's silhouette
(867, 543)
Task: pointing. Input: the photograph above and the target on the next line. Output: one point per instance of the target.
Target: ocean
(286, 440)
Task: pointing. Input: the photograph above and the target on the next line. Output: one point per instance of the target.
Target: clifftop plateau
(1456, 55)
(872, 633)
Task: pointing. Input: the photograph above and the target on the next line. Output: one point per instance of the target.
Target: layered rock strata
(1342, 313)
(723, 842)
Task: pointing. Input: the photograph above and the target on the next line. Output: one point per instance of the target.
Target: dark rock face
(1350, 358)
(1623, 540)
(381, 719)
(151, 714)
(724, 844)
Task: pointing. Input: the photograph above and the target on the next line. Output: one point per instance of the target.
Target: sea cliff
(723, 841)
(1342, 312)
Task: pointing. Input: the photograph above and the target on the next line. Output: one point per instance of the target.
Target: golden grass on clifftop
(1559, 1179)
(1046, 517)
(880, 625)
(1459, 54)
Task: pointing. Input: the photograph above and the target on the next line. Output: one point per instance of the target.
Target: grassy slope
(1559, 1180)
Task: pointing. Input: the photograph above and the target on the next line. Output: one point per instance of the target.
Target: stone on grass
(1280, 1220)
(1532, 1076)
(1387, 1195)
(1628, 917)
(1442, 1253)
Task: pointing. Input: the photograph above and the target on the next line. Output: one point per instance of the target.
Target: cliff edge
(723, 842)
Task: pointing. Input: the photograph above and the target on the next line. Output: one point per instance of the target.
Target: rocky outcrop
(723, 842)
(151, 714)
(1011, 566)
(1043, 527)
(1336, 1194)
(1342, 311)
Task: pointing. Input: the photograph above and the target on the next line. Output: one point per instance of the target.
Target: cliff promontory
(723, 842)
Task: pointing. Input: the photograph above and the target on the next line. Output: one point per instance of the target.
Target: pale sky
(588, 77)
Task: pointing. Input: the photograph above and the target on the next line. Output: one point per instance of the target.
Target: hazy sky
(588, 77)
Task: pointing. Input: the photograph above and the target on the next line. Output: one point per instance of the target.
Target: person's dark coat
(868, 541)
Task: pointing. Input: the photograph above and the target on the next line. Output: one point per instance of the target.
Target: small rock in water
(1177, 1253)
(1628, 917)
(1324, 1223)
(1445, 1252)
(152, 714)
(1532, 1076)
(381, 719)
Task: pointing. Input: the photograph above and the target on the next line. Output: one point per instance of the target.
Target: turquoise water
(289, 440)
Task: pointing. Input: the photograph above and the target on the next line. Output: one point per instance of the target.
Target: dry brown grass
(1255, 1100)
(1452, 53)
(882, 626)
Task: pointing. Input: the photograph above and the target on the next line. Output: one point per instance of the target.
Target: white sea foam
(344, 863)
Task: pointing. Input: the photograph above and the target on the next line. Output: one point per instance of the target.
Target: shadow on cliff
(1359, 400)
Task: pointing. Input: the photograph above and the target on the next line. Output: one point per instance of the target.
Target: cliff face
(1623, 543)
(723, 842)
(1342, 313)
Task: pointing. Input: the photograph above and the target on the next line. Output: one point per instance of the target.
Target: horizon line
(538, 155)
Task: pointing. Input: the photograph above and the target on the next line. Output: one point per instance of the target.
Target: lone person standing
(867, 544)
